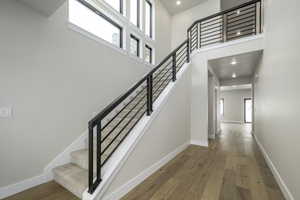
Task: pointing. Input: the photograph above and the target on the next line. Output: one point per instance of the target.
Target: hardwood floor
(46, 191)
(232, 168)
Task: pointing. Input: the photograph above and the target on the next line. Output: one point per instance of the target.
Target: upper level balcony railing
(238, 22)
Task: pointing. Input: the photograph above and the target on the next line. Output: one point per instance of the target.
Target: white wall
(54, 79)
(210, 111)
(162, 31)
(277, 94)
(213, 105)
(169, 130)
(182, 21)
(234, 104)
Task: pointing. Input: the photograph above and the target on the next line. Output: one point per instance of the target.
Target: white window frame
(141, 49)
(152, 2)
(123, 20)
(138, 40)
(90, 35)
(153, 54)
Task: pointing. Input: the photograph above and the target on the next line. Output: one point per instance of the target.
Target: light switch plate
(5, 112)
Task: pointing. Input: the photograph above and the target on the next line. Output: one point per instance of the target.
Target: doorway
(248, 110)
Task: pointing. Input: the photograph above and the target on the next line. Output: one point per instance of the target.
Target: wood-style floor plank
(46, 191)
(231, 168)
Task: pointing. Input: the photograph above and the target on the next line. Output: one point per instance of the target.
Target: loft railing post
(99, 154)
(151, 92)
(149, 95)
(174, 67)
(224, 27)
(199, 35)
(188, 50)
(258, 21)
(91, 164)
(260, 17)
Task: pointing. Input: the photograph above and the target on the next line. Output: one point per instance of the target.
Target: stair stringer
(118, 159)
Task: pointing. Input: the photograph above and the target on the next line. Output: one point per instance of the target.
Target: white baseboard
(199, 143)
(124, 189)
(285, 190)
(23, 185)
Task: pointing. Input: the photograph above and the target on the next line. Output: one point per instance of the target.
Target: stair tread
(81, 157)
(72, 177)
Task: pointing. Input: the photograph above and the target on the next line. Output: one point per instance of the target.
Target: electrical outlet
(5, 112)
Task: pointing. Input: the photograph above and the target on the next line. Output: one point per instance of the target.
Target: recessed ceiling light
(178, 3)
(238, 12)
(234, 75)
(238, 33)
(233, 62)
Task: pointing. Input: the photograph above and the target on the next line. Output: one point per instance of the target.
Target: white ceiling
(185, 4)
(245, 67)
(46, 7)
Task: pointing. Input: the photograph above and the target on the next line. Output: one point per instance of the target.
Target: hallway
(232, 168)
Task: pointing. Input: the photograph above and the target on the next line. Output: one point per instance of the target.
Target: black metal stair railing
(238, 22)
(112, 125)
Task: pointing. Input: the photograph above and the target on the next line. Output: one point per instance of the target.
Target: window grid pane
(95, 23)
(134, 46)
(148, 54)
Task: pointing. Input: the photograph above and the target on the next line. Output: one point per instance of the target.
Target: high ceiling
(244, 67)
(185, 4)
(46, 7)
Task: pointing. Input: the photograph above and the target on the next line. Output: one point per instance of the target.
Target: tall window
(93, 21)
(248, 110)
(116, 4)
(148, 18)
(148, 54)
(222, 107)
(134, 46)
(135, 12)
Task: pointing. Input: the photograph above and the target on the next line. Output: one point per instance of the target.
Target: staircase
(111, 126)
(74, 176)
